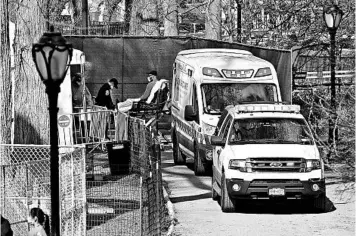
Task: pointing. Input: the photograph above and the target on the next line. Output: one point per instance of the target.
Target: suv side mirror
(217, 141)
(189, 114)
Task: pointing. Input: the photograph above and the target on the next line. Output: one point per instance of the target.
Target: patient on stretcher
(152, 98)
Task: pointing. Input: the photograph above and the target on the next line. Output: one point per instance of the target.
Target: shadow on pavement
(190, 198)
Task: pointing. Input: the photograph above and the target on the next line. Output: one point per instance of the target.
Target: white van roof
(222, 58)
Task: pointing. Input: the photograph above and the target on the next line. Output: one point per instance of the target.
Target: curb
(171, 213)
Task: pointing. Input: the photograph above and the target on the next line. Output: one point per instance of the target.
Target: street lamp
(332, 17)
(52, 55)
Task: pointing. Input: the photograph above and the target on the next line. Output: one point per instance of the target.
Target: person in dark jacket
(5, 227)
(104, 95)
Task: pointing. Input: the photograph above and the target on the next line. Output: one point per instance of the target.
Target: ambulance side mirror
(190, 114)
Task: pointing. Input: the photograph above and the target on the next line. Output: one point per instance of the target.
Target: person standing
(77, 93)
(104, 95)
(40, 222)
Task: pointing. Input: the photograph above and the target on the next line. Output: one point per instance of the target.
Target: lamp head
(332, 16)
(52, 56)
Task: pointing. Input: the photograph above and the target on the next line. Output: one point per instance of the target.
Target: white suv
(264, 151)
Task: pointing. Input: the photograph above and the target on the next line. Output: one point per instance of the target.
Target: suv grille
(276, 164)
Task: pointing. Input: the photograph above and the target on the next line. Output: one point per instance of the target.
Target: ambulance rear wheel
(199, 167)
(178, 157)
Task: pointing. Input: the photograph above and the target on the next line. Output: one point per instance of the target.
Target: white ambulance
(266, 151)
(204, 82)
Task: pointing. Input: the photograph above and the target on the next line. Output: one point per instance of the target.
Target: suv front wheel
(227, 205)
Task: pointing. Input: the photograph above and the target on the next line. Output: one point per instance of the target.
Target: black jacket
(104, 97)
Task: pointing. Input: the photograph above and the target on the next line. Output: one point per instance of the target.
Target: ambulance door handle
(218, 152)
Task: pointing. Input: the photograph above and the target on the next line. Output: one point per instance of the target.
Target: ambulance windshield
(217, 96)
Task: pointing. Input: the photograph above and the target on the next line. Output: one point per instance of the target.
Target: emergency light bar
(267, 108)
(238, 73)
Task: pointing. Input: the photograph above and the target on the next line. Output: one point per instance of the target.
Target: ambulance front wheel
(199, 167)
(178, 157)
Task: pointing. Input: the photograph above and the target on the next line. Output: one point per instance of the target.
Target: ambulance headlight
(263, 72)
(211, 72)
(208, 129)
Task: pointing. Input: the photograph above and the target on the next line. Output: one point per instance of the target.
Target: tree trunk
(30, 99)
(170, 14)
(5, 81)
(213, 20)
(144, 18)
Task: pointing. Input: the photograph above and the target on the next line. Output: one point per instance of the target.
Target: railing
(310, 79)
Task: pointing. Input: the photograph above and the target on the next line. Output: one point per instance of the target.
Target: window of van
(195, 101)
(217, 96)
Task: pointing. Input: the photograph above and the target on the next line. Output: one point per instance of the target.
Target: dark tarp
(130, 58)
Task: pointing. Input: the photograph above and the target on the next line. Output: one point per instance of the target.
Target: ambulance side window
(195, 102)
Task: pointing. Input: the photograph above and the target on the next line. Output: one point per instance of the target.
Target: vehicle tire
(178, 158)
(199, 167)
(227, 205)
(214, 194)
(319, 203)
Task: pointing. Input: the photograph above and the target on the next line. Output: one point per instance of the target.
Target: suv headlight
(237, 164)
(313, 165)
(208, 129)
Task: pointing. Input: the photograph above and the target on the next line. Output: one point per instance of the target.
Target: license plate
(276, 192)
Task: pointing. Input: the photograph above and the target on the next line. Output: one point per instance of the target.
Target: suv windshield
(217, 96)
(270, 130)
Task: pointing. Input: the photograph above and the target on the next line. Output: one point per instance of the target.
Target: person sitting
(159, 94)
(127, 105)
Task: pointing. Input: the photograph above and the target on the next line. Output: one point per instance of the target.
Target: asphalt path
(197, 214)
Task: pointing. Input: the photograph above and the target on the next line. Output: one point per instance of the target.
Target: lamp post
(52, 55)
(332, 17)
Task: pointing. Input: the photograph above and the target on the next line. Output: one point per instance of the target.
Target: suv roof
(235, 110)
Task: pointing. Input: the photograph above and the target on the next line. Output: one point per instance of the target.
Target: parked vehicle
(204, 82)
(266, 151)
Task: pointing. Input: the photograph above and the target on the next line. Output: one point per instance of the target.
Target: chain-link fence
(127, 197)
(25, 183)
(146, 160)
(124, 198)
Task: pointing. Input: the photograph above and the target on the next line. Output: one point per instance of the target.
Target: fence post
(158, 195)
(141, 206)
(84, 195)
